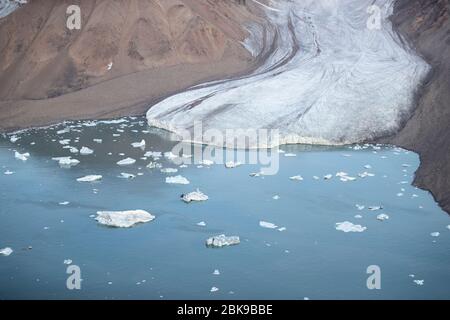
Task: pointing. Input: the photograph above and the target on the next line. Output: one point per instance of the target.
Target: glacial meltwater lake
(47, 218)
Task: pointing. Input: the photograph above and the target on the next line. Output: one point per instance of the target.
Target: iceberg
(6, 251)
(90, 178)
(21, 156)
(86, 151)
(347, 226)
(126, 162)
(194, 196)
(123, 219)
(222, 240)
(267, 225)
(140, 144)
(177, 180)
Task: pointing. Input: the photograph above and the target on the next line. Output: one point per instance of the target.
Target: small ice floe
(316, 178)
(435, 234)
(290, 155)
(448, 227)
(123, 219)
(66, 161)
(8, 172)
(344, 177)
(177, 180)
(13, 138)
(296, 178)
(375, 208)
(126, 162)
(6, 251)
(71, 149)
(216, 272)
(255, 174)
(367, 166)
(327, 176)
(125, 175)
(419, 282)
(281, 229)
(67, 261)
(194, 196)
(405, 165)
(90, 178)
(268, 225)
(21, 156)
(347, 226)
(153, 154)
(140, 144)
(365, 174)
(86, 151)
(358, 216)
(109, 66)
(169, 170)
(202, 224)
(232, 164)
(214, 289)
(382, 217)
(359, 207)
(154, 165)
(170, 156)
(63, 203)
(64, 141)
(97, 140)
(207, 162)
(276, 197)
(222, 240)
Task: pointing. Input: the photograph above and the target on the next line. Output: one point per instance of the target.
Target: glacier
(328, 77)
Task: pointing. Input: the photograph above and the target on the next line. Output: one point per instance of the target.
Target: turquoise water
(167, 257)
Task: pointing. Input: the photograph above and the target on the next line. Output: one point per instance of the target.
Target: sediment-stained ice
(332, 78)
(123, 219)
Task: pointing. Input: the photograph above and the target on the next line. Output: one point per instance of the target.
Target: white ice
(21, 156)
(6, 251)
(268, 225)
(123, 219)
(222, 240)
(90, 178)
(140, 144)
(126, 162)
(347, 226)
(194, 196)
(86, 151)
(177, 180)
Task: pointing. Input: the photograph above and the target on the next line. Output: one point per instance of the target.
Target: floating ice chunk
(316, 178)
(125, 175)
(382, 217)
(268, 225)
(276, 197)
(169, 170)
(63, 203)
(86, 151)
(358, 216)
(214, 289)
(153, 154)
(368, 166)
(419, 282)
(170, 156)
(347, 226)
(202, 224)
(207, 162)
(375, 208)
(66, 161)
(365, 174)
(222, 240)
(123, 219)
(400, 194)
(65, 130)
(347, 178)
(359, 207)
(6, 251)
(216, 272)
(67, 261)
(8, 172)
(194, 196)
(435, 234)
(97, 140)
(290, 155)
(153, 165)
(282, 229)
(177, 180)
(448, 227)
(13, 138)
(232, 164)
(296, 178)
(21, 156)
(126, 162)
(90, 178)
(109, 66)
(71, 149)
(140, 144)
(328, 176)
(64, 142)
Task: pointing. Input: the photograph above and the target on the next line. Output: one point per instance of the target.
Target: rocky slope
(426, 25)
(128, 54)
